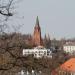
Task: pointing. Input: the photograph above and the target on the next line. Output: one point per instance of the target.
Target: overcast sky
(56, 17)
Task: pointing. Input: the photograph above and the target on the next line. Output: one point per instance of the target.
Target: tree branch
(8, 14)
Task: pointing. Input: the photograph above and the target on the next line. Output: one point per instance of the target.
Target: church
(38, 49)
(37, 39)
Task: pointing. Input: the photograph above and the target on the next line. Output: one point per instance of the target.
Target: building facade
(69, 47)
(38, 52)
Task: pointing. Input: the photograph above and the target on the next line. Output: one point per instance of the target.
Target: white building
(38, 52)
(69, 47)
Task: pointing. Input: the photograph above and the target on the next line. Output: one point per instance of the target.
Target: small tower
(47, 41)
(37, 40)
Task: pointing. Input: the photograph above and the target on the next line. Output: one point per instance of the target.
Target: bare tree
(6, 11)
(5, 8)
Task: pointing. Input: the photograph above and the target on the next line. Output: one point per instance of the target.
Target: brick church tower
(37, 40)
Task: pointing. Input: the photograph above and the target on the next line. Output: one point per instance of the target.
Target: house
(38, 52)
(69, 47)
(67, 68)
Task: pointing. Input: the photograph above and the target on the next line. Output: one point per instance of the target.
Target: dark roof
(37, 21)
(69, 44)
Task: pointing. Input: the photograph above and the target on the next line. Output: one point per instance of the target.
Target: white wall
(36, 52)
(69, 49)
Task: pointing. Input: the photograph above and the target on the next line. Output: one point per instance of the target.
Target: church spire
(37, 21)
(37, 40)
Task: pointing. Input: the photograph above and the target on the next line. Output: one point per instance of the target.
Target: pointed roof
(37, 21)
(47, 37)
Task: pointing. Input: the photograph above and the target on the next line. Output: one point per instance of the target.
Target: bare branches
(6, 14)
(6, 8)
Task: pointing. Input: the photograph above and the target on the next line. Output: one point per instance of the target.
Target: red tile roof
(69, 65)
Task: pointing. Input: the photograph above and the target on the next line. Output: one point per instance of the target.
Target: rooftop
(69, 65)
(69, 44)
(39, 47)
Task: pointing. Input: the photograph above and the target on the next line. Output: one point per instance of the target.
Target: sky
(56, 17)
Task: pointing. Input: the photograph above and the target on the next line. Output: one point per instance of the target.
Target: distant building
(37, 39)
(38, 52)
(68, 68)
(47, 41)
(38, 43)
(69, 47)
